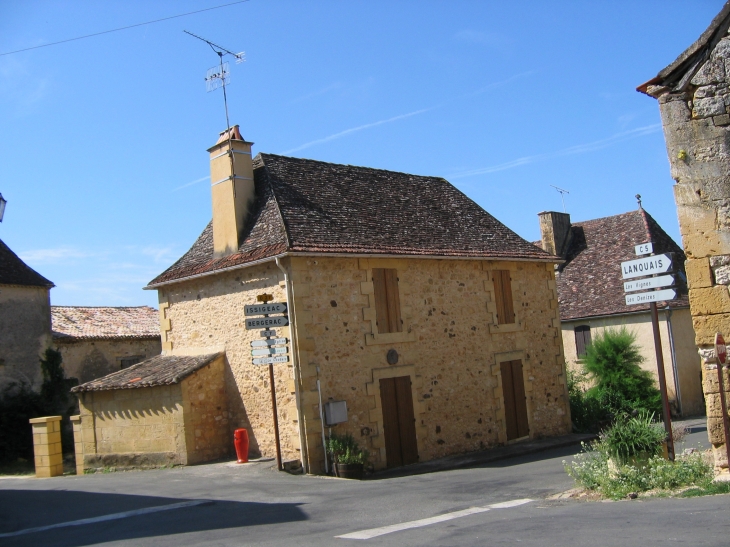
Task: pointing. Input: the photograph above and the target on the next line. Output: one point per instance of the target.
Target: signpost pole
(721, 358)
(662, 381)
(276, 416)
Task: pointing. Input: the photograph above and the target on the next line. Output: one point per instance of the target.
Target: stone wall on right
(697, 131)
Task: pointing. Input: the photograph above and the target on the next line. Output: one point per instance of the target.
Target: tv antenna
(220, 76)
(562, 193)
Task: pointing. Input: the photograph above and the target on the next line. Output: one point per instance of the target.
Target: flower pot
(349, 470)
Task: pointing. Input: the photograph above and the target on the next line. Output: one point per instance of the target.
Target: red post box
(240, 441)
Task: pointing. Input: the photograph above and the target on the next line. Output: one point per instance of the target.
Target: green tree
(619, 383)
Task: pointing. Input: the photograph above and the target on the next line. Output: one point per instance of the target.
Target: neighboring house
(592, 297)
(435, 323)
(25, 324)
(694, 100)
(96, 341)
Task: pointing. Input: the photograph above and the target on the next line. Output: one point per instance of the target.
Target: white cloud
(355, 130)
(53, 255)
(570, 151)
(196, 181)
(323, 91)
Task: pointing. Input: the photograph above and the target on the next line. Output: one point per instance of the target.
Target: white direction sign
(271, 360)
(267, 333)
(264, 309)
(270, 351)
(278, 321)
(274, 342)
(646, 266)
(651, 296)
(644, 249)
(649, 283)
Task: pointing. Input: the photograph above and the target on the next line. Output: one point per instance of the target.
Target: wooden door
(515, 402)
(399, 423)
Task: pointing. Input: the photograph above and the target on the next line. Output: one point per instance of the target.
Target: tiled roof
(161, 370)
(13, 271)
(79, 322)
(313, 206)
(590, 283)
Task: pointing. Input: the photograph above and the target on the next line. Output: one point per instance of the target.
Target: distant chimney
(232, 188)
(555, 232)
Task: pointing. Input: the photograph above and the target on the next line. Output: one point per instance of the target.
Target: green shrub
(587, 413)
(619, 384)
(344, 449)
(633, 436)
(594, 469)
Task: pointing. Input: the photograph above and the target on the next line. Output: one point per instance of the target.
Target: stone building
(435, 323)
(694, 101)
(591, 297)
(25, 324)
(152, 416)
(96, 341)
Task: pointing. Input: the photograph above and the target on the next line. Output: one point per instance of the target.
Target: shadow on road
(23, 509)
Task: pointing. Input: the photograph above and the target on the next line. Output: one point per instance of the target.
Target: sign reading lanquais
(264, 309)
(264, 322)
(646, 266)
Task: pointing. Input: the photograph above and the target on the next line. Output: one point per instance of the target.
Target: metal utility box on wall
(335, 412)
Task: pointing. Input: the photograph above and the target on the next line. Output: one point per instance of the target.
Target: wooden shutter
(399, 424)
(406, 420)
(515, 402)
(391, 428)
(582, 339)
(503, 297)
(387, 300)
(391, 290)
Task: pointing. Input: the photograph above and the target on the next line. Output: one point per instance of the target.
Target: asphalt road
(232, 505)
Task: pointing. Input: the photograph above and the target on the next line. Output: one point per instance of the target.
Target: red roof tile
(80, 322)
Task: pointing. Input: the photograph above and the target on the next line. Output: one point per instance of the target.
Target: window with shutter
(503, 296)
(582, 340)
(387, 300)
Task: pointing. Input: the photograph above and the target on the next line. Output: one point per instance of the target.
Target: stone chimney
(232, 189)
(555, 232)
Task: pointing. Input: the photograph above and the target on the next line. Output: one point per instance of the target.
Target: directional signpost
(642, 268)
(271, 350)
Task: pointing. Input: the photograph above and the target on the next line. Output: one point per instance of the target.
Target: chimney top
(235, 135)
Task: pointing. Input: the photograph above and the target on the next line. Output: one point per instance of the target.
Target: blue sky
(103, 143)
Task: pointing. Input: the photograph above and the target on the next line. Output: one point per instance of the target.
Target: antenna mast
(220, 76)
(562, 192)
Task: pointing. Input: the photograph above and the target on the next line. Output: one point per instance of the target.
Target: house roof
(13, 271)
(307, 206)
(82, 322)
(589, 282)
(677, 75)
(162, 370)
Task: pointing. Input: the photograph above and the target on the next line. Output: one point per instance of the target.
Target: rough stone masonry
(694, 100)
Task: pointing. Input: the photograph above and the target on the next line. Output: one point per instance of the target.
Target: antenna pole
(561, 192)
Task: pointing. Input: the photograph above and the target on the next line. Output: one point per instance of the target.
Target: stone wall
(91, 359)
(205, 406)
(697, 132)
(206, 315)
(25, 332)
(689, 367)
(451, 347)
(130, 428)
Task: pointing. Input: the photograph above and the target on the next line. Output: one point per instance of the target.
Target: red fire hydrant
(240, 441)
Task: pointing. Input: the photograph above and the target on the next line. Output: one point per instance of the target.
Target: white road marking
(103, 518)
(375, 532)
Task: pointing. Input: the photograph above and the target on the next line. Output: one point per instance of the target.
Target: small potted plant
(347, 457)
